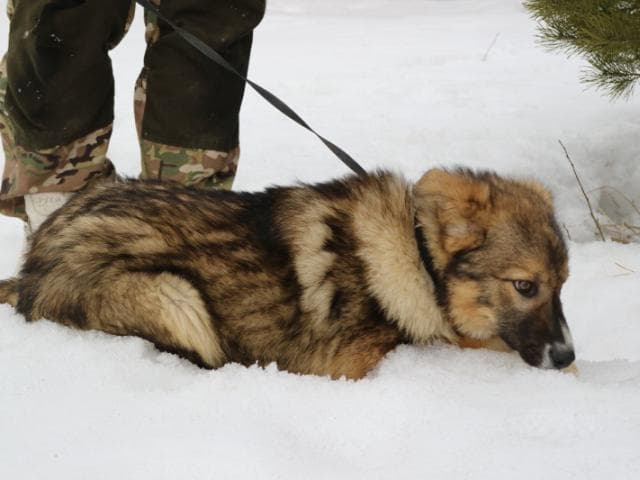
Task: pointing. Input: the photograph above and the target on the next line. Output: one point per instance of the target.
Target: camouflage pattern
(58, 169)
(62, 168)
(13, 207)
(189, 166)
(140, 100)
(152, 31)
(73, 164)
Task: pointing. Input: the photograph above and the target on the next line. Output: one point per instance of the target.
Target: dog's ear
(457, 205)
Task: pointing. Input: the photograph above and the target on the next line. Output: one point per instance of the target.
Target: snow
(401, 84)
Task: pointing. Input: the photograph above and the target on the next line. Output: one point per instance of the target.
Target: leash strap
(210, 53)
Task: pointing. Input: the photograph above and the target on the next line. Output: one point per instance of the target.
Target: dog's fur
(322, 279)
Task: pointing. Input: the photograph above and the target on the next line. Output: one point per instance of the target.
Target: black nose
(562, 356)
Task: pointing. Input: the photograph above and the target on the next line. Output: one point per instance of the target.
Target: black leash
(263, 92)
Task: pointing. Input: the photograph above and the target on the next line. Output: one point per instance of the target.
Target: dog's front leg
(358, 353)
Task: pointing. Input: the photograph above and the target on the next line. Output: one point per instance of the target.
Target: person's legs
(56, 96)
(186, 106)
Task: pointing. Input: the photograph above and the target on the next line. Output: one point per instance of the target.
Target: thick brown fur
(322, 279)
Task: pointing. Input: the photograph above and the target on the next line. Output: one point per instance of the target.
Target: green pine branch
(605, 32)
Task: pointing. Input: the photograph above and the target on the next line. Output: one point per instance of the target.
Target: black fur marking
(338, 302)
(259, 217)
(337, 189)
(26, 298)
(375, 312)
(6, 185)
(558, 318)
(341, 242)
(75, 314)
(458, 266)
(557, 250)
(427, 261)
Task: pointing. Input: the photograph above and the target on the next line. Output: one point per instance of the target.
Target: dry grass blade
(625, 268)
(614, 189)
(493, 43)
(573, 167)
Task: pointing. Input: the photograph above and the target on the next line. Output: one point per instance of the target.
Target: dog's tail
(9, 291)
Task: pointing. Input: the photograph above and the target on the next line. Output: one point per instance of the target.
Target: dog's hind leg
(162, 308)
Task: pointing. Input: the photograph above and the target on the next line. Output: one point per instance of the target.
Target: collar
(427, 262)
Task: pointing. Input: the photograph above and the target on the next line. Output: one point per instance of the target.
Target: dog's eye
(525, 288)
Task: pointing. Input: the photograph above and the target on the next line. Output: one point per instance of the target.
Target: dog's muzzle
(559, 354)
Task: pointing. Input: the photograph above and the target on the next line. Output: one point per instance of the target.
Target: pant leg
(187, 107)
(56, 95)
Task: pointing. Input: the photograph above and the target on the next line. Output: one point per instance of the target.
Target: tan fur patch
(395, 273)
(493, 343)
(8, 292)
(308, 232)
(163, 306)
(183, 313)
(471, 319)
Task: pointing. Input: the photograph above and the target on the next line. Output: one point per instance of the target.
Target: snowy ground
(404, 84)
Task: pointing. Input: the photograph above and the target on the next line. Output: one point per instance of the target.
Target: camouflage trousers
(57, 87)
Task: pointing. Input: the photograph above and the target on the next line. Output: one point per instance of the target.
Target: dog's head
(502, 260)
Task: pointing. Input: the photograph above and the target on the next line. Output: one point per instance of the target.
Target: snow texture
(401, 84)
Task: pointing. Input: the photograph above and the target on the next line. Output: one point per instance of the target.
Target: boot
(40, 205)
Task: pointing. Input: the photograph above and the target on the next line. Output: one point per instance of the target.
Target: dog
(321, 279)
